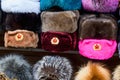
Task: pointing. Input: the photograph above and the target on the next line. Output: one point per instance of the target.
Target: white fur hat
(21, 6)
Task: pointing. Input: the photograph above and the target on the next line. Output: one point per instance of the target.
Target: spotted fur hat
(52, 68)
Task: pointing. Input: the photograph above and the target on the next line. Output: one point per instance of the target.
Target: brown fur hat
(65, 21)
(98, 27)
(21, 38)
(93, 71)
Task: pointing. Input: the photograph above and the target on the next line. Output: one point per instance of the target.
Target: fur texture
(52, 68)
(20, 6)
(66, 41)
(64, 4)
(97, 49)
(116, 73)
(15, 67)
(30, 39)
(29, 21)
(65, 21)
(98, 27)
(105, 6)
(93, 71)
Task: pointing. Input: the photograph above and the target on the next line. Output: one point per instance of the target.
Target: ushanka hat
(21, 39)
(21, 14)
(52, 68)
(105, 6)
(93, 71)
(97, 36)
(64, 4)
(59, 30)
(14, 67)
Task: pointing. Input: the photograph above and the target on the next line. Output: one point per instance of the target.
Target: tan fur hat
(93, 71)
(21, 38)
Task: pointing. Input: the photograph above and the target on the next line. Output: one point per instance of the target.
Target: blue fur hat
(52, 68)
(64, 4)
(14, 67)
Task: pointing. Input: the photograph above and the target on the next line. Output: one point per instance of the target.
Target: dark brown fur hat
(65, 21)
(93, 71)
(97, 27)
(27, 21)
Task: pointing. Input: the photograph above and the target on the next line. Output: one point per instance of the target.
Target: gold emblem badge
(55, 41)
(97, 47)
(19, 37)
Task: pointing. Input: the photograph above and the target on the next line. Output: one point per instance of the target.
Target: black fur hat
(14, 67)
(52, 68)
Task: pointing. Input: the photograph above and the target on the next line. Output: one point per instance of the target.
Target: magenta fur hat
(59, 30)
(104, 6)
(97, 36)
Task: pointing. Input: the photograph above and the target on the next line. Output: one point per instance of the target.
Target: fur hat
(64, 4)
(58, 41)
(29, 21)
(98, 27)
(20, 6)
(63, 21)
(61, 28)
(14, 67)
(93, 71)
(52, 68)
(105, 6)
(97, 36)
(116, 73)
(97, 49)
(21, 38)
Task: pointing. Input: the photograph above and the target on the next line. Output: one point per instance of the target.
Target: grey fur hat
(52, 68)
(14, 67)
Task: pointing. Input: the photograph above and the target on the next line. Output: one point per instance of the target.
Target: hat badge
(97, 46)
(55, 41)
